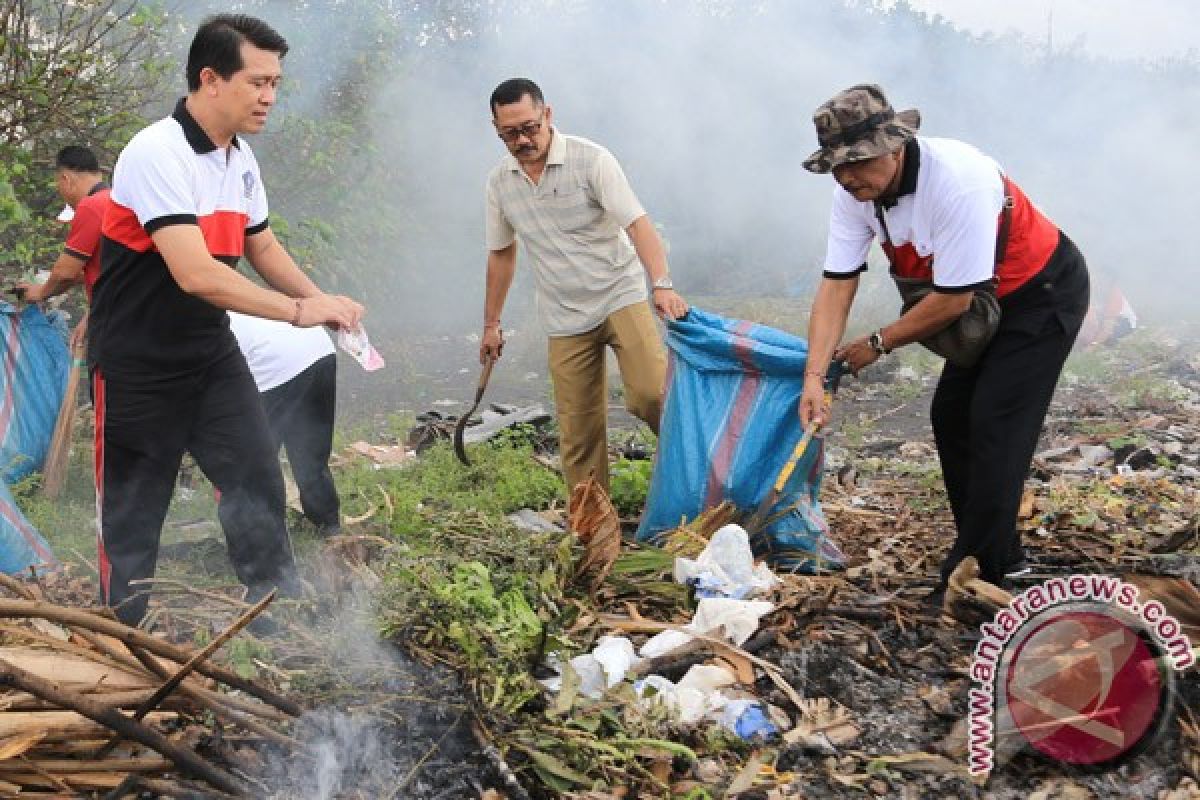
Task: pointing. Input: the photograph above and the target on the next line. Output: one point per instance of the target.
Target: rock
(1094, 455)
(917, 451)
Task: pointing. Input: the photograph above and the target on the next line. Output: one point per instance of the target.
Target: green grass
(500, 480)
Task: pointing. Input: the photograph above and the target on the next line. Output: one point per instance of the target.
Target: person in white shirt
(295, 370)
(965, 245)
(591, 247)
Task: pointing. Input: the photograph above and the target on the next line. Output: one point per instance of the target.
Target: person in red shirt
(81, 185)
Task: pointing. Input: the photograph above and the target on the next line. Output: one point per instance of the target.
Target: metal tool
(832, 379)
(460, 449)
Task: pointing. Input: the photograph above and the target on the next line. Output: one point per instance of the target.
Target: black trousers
(301, 414)
(143, 428)
(987, 418)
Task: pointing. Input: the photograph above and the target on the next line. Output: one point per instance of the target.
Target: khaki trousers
(577, 368)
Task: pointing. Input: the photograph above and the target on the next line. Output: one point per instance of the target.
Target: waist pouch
(963, 341)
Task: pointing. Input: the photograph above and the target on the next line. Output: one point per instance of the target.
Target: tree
(70, 73)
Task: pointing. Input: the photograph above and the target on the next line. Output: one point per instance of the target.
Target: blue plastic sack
(729, 424)
(34, 363)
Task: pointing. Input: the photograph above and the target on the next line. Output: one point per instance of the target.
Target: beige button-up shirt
(572, 226)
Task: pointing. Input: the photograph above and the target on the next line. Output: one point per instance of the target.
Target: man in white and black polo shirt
(187, 203)
(950, 220)
(591, 246)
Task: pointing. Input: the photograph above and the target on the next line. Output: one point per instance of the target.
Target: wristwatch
(663, 283)
(875, 340)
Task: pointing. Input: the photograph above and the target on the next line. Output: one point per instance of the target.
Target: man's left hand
(857, 354)
(669, 304)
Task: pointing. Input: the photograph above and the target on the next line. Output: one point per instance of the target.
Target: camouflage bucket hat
(858, 124)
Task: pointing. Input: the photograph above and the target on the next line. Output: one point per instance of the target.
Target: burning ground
(417, 653)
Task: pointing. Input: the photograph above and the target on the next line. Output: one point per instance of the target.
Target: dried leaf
(745, 778)
(549, 766)
(917, 762)
(821, 722)
(594, 520)
(740, 666)
(568, 692)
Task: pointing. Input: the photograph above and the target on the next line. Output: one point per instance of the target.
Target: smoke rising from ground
(707, 106)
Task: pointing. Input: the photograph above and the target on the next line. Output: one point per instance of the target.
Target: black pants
(143, 428)
(987, 418)
(301, 413)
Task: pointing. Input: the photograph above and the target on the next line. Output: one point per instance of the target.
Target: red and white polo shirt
(943, 223)
(170, 173)
(83, 237)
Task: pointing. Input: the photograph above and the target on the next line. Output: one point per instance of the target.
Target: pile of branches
(89, 705)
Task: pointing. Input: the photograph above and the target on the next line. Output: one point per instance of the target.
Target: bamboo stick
(58, 725)
(186, 759)
(63, 765)
(193, 663)
(138, 638)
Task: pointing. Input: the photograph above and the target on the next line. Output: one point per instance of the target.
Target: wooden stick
(73, 765)
(218, 704)
(187, 669)
(162, 788)
(16, 587)
(141, 639)
(184, 758)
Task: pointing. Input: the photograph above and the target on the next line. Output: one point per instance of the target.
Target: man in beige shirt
(590, 245)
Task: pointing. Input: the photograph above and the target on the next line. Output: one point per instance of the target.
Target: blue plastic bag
(34, 363)
(729, 424)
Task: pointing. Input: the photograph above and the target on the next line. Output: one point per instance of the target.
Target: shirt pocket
(571, 208)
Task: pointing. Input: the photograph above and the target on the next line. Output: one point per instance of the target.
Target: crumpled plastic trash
(359, 347)
(601, 669)
(748, 719)
(689, 704)
(735, 620)
(616, 655)
(726, 567)
(707, 678)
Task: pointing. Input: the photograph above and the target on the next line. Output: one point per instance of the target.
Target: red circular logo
(1083, 687)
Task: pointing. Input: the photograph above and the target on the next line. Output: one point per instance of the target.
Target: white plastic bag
(359, 347)
(726, 567)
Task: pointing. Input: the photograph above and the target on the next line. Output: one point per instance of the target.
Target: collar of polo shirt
(195, 135)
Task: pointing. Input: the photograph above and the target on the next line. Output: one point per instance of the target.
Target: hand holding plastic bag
(357, 344)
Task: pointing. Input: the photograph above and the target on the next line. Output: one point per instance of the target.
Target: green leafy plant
(630, 484)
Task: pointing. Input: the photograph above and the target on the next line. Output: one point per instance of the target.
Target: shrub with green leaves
(629, 482)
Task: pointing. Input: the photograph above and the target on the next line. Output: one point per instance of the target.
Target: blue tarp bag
(34, 363)
(729, 425)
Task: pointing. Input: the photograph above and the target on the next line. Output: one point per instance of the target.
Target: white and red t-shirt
(83, 237)
(171, 173)
(943, 223)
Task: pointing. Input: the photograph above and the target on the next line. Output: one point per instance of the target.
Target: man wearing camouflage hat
(966, 248)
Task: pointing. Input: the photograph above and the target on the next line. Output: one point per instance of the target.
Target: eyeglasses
(529, 130)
